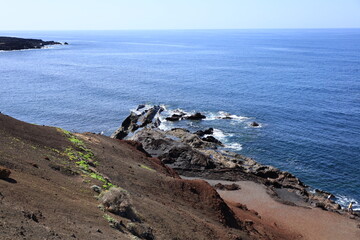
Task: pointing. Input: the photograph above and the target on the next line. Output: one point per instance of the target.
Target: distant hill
(13, 43)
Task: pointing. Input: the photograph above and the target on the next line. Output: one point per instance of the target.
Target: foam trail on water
(234, 146)
(224, 115)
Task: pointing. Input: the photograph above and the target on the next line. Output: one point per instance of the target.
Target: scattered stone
(241, 206)
(96, 188)
(34, 165)
(4, 173)
(33, 215)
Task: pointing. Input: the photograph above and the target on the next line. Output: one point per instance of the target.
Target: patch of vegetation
(146, 167)
(84, 158)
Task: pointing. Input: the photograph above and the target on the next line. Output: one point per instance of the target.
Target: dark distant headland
(13, 43)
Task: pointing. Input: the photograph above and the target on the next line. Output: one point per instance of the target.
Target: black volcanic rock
(12, 43)
(212, 139)
(254, 124)
(201, 133)
(174, 117)
(196, 116)
(148, 117)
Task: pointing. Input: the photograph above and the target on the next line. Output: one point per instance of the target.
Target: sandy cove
(300, 222)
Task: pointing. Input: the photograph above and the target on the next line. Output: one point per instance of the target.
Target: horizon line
(183, 29)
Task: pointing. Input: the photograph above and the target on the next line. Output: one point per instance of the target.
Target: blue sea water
(302, 86)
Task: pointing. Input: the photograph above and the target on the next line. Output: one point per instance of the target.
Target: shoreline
(144, 125)
(75, 171)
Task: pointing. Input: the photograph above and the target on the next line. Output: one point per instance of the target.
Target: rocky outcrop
(200, 154)
(148, 117)
(170, 151)
(12, 43)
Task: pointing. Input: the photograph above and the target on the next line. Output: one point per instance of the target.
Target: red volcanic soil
(48, 196)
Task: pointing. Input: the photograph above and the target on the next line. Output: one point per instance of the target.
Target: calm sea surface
(302, 86)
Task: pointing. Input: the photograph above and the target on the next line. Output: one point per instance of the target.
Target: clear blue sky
(177, 14)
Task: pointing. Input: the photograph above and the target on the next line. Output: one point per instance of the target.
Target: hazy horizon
(65, 15)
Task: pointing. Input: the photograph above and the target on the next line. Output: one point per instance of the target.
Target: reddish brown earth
(47, 196)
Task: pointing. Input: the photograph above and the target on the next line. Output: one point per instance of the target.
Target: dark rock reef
(13, 43)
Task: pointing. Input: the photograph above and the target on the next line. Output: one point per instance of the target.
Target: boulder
(4, 173)
(196, 116)
(117, 201)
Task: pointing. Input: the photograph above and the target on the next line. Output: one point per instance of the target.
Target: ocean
(301, 86)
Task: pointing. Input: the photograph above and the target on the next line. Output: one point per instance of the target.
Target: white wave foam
(345, 201)
(234, 146)
(220, 135)
(177, 111)
(224, 115)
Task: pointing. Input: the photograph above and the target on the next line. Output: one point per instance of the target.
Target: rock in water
(196, 116)
(174, 117)
(4, 173)
(254, 124)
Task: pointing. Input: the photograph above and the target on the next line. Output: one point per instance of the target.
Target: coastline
(211, 161)
(15, 44)
(49, 164)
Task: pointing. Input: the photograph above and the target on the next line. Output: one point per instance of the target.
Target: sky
(177, 14)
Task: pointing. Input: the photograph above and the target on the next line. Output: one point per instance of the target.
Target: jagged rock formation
(148, 117)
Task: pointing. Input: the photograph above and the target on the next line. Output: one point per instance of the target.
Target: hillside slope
(49, 196)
